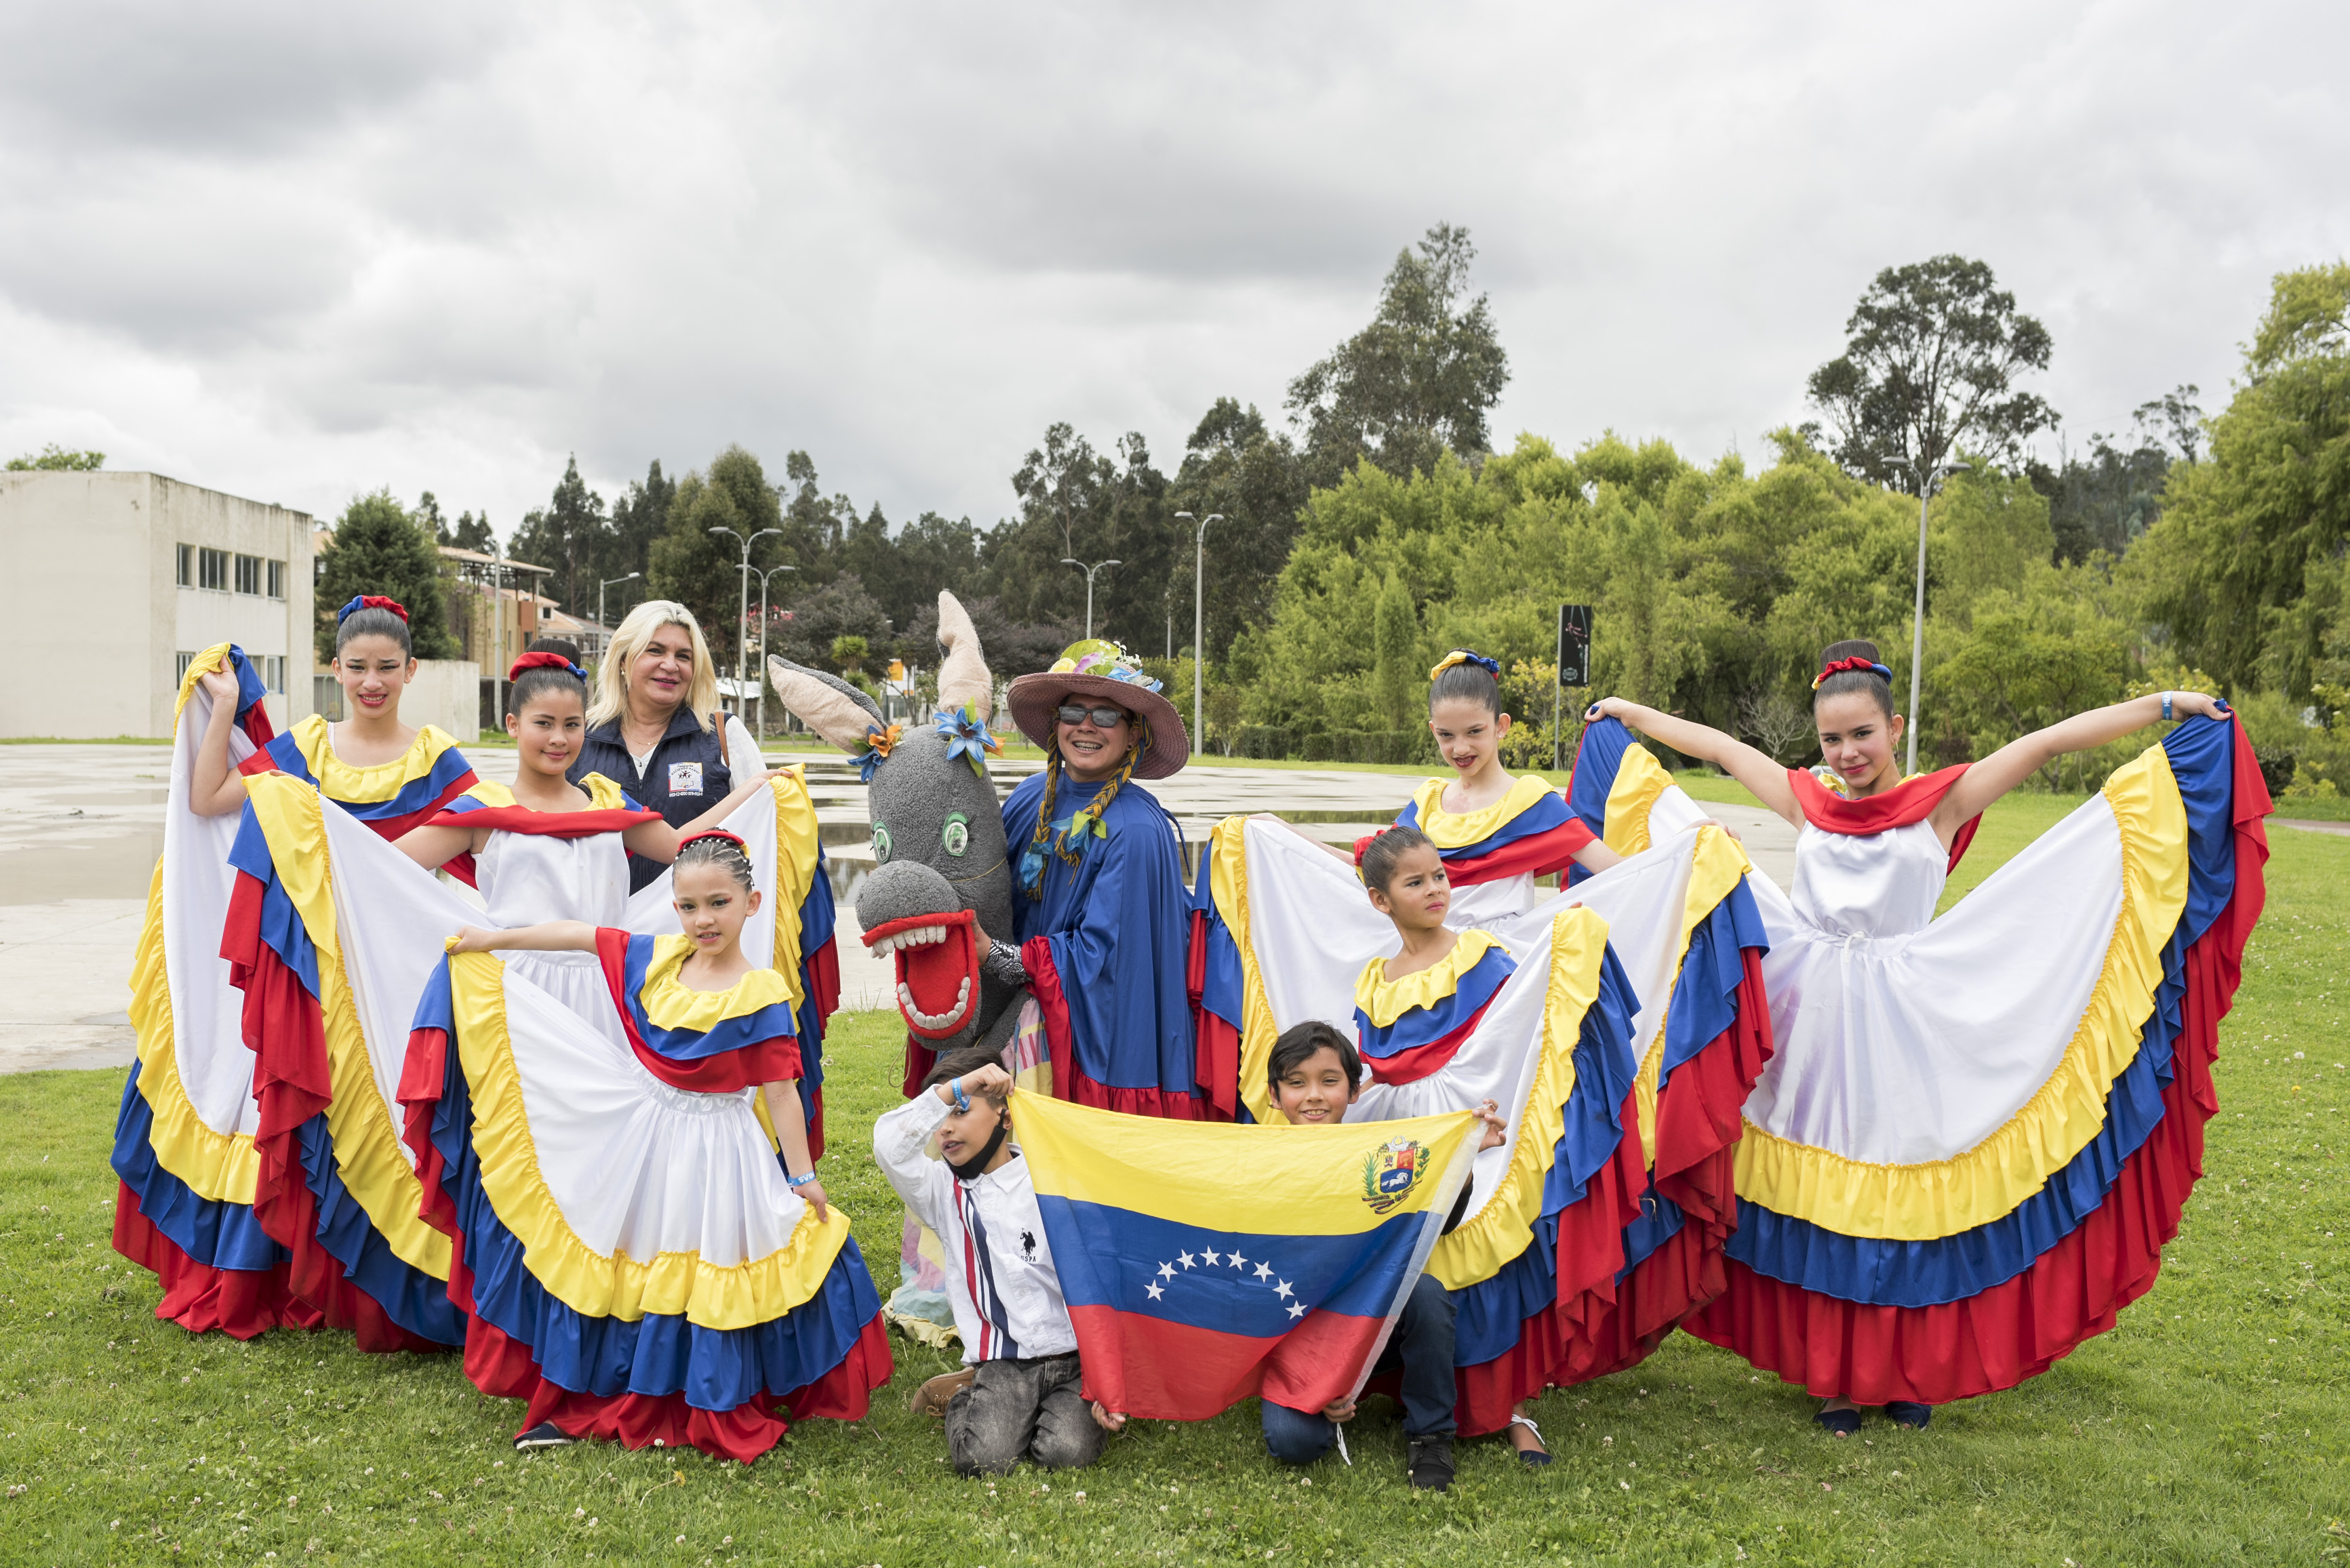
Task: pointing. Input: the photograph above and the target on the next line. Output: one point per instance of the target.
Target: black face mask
(971, 1168)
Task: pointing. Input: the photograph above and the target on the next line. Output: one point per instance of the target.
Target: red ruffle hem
(2075, 1289)
(292, 1083)
(243, 1304)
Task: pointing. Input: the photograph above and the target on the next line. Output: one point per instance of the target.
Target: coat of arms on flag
(1388, 1172)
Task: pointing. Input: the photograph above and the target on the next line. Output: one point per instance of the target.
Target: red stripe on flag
(1147, 1366)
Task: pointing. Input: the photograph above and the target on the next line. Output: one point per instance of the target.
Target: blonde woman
(656, 726)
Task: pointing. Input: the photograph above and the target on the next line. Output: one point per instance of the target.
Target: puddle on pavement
(117, 867)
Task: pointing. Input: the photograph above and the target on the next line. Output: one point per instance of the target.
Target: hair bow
(733, 839)
(967, 737)
(1855, 665)
(371, 601)
(1363, 845)
(543, 659)
(880, 741)
(1492, 667)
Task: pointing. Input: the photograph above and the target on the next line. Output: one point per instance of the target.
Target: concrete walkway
(81, 826)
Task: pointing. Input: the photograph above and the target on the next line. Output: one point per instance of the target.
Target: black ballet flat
(1908, 1413)
(1837, 1423)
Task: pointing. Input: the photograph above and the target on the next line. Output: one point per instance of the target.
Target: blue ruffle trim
(1954, 1268)
(817, 922)
(1596, 759)
(217, 1234)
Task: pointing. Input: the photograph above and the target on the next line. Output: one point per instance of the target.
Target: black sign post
(1573, 669)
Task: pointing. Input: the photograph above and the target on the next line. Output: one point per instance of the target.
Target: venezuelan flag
(1204, 1263)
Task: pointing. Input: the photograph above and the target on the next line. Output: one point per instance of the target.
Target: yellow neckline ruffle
(1383, 1001)
(365, 785)
(671, 1003)
(1450, 830)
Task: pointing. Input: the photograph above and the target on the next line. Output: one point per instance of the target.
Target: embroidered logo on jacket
(685, 778)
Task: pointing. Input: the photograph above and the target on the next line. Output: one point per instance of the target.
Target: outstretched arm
(2010, 766)
(434, 848)
(554, 937)
(1765, 779)
(215, 787)
(659, 841)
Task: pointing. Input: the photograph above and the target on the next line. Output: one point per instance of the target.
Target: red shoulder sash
(1911, 800)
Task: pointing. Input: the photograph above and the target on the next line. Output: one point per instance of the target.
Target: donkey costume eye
(956, 835)
(880, 845)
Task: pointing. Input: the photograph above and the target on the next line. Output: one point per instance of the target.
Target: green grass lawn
(2207, 1430)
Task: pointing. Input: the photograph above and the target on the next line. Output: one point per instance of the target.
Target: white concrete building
(111, 582)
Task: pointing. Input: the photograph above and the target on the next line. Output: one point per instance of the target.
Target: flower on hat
(1104, 660)
(967, 737)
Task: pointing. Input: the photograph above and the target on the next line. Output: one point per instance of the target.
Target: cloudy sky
(297, 251)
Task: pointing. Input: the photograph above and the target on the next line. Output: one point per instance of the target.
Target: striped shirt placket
(979, 1270)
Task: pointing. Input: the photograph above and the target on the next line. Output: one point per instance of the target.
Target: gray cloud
(300, 253)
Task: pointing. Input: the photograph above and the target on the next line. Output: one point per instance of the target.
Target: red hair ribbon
(1363, 844)
(733, 839)
(544, 660)
(1855, 665)
(371, 601)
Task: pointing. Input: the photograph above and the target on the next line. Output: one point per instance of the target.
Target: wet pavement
(81, 826)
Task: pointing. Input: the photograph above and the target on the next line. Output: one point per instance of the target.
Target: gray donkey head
(941, 889)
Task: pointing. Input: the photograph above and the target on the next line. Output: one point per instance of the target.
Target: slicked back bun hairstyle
(533, 684)
(372, 621)
(1468, 682)
(1299, 1044)
(1875, 687)
(1378, 861)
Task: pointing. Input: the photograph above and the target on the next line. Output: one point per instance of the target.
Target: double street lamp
(765, 577)
(606, 583)
(743, 614)
(1199, 583)
(1926, 480)
(1090, 572)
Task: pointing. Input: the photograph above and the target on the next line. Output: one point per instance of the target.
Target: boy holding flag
(1018, 1396)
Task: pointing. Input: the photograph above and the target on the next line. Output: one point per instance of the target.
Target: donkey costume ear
(962, 675)
(835, 709)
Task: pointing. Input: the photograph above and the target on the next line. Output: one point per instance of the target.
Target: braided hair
(721, 850)
(1068, 844)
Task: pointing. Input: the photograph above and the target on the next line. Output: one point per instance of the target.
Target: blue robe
(1116, 929)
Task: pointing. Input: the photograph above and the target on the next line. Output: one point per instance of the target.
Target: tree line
(1376, 526)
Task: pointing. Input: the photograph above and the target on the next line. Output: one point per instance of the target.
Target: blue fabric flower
(967, 737)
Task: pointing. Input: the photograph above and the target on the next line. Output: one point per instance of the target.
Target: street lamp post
(764, 577)
(1199, 584)
(1926, 483)
(1090, 572)
(606, 583)
(743, 614)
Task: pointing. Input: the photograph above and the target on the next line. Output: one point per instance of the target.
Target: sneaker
(933, 1397)
(546, 1435)
(1429, 1461)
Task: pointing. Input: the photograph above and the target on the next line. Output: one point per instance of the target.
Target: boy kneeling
(1314, 1069)
(1018, 1396)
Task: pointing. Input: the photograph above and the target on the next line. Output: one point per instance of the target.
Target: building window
(185, 658)
(272, 671)
(212, 570)
(248, 575)
(277, 579)
(187, 565)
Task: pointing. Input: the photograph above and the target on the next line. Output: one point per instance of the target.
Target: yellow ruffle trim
(1448, 830)
(1499, 1231)
(222, 1167)
(672, 1003)
(798, 850)
(369, 1155)
(1942, 1197)
(1228, 884)
(1717, 865)
(203, 664)
(1641, 779)
(365, 786)
(590, 1282)
(603, 795)
(1383, 1001)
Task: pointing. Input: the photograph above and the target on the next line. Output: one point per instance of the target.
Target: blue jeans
(1420, 1348)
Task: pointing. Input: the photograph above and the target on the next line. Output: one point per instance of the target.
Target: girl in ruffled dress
(1978, 1129)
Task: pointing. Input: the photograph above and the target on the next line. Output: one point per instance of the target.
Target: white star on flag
(1209, 1253)
(1236, 1260)
(1282, 1289)
(1184, 1258)
(1155, 1292)
(1296, 1309)
(1166, 1270)
(1265, 1271)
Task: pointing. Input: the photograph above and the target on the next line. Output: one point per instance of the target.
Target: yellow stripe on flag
(1265, 1180)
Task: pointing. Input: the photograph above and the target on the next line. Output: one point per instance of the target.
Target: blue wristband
(962, 1100)
(2166, 705)
(792, 1180)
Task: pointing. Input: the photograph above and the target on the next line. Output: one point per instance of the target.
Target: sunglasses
(1103, 718)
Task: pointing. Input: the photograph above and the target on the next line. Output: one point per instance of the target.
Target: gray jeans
(1022, 1409)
